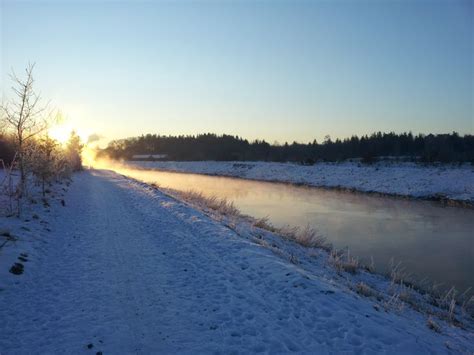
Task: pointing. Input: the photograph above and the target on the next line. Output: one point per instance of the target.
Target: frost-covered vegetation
(27, 154)
(140, 271)
(392, 292)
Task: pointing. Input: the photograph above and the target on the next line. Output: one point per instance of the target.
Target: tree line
(28, 155)
(423, 148)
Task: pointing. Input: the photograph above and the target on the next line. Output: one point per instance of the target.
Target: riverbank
(450, 184)
(122, 267)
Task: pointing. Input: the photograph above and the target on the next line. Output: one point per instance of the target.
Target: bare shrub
(26, 121)
(9, 187)
(24, 117)
(43, 160)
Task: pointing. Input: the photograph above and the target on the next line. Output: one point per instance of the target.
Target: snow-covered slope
(123, 268)
(405, 179)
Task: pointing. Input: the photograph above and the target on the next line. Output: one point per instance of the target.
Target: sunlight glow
(62, 132)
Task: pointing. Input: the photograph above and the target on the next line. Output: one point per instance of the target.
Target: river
(431, 241)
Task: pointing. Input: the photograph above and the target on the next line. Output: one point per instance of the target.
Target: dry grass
(394, 303)
(343, 261)
(365, 290)
(293, 259)
(407, 294)
(397, 272)
(307, 237)
(448, 302)
(220, 205)
(370, 267)
(155, 185)
(433, 325)
(264, 223)
(466, 303)
(455, 306)
(400, 292)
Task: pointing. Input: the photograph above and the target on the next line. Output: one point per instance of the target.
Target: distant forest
(424, 148)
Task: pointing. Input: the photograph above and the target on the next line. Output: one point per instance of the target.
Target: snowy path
(129, 270)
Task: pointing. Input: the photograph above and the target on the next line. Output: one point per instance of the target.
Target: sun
(62, 133)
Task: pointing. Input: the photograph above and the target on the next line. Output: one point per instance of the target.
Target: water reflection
(431, 240)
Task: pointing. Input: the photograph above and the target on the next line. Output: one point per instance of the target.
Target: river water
(430, 240)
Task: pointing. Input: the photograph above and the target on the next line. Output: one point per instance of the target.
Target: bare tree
(24, 116)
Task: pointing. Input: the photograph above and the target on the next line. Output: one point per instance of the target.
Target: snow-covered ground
(404, 179)
(124, 268)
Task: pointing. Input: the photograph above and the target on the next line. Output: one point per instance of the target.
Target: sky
(277, 70)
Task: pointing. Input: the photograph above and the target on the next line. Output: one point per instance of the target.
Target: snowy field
(403, 179)
(120, 267)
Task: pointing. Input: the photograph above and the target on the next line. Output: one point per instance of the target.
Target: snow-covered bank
(454, 183)
(124, 268)
(22, 239)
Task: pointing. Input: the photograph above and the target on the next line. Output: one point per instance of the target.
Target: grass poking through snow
(343, 261)
(399, 292)
(220, 205)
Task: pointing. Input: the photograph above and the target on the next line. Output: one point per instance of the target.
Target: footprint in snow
(17, 269)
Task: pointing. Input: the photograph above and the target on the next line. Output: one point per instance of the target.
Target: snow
(403, 179)
(125, 268)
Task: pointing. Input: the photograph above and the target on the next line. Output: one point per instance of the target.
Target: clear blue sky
(279, 70)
